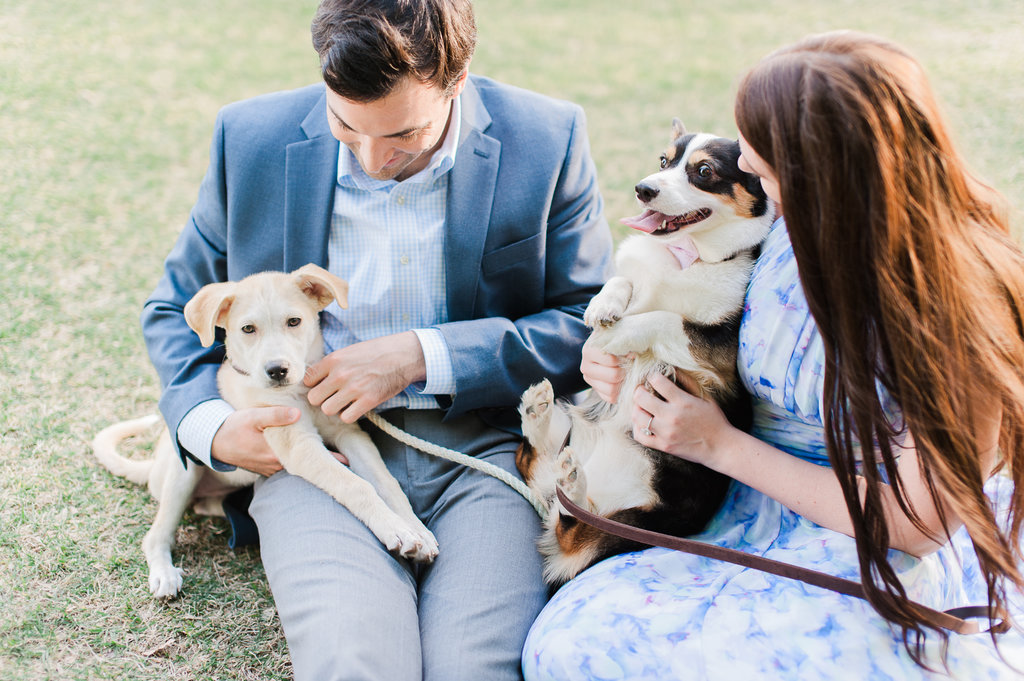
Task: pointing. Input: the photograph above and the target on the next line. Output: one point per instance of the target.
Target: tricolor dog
(271, 335)
(675, 302)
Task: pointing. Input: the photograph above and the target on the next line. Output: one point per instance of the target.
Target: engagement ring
(647, 431)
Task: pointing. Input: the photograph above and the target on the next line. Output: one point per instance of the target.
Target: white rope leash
(460, 458)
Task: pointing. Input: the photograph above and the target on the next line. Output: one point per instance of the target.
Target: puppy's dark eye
(705, 170)
(664, 161)
(249, 328)
(294, 321)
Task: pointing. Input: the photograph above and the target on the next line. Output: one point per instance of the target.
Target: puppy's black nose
(277, 371)
(645, 192)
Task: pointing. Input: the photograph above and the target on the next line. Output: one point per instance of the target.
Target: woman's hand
(602, 372)
(678, 422)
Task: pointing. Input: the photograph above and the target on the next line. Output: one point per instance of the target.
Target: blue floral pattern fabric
(660, 614)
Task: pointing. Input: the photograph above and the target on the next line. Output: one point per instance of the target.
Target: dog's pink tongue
(648, 221)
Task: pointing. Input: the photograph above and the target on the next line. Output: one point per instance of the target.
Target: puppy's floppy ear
(678, 129)
(321, 286)
(208, 309)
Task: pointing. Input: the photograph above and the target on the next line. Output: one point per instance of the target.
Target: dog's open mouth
(653, 222)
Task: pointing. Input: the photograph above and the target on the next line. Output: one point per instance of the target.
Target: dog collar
(236, 367)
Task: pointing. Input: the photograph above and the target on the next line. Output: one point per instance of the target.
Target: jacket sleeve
(188, 371)
(520, 337)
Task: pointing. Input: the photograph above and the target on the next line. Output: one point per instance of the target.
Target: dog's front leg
(610, 303)
(176, 487)
(365, 460)
(302, 453)
(640, 333)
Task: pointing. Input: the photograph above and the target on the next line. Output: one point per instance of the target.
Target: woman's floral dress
(660, 614)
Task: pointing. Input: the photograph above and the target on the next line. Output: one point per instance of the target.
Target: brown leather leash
(953, 619)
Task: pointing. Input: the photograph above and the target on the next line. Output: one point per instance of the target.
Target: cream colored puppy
(272, 333)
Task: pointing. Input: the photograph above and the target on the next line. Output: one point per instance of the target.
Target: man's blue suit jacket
(526, 244)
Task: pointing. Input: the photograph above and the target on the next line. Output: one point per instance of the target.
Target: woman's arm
(687, 426)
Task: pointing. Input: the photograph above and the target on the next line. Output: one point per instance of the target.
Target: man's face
(393, 137)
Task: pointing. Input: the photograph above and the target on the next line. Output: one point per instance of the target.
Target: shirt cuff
(438, 360)
(197, 428)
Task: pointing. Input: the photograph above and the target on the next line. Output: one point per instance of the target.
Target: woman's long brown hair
(915, 284)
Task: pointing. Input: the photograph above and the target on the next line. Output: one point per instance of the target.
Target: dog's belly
(214, 484)
(619, 475)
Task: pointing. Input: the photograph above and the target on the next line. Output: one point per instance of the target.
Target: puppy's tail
(104, 446)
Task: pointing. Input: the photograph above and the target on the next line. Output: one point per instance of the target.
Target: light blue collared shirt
(387, 242)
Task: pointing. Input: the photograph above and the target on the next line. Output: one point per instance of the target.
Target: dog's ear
(322, 286)
(678, 129)
(208, 308)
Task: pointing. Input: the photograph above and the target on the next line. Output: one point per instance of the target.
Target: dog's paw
(571, 477)
(535, 409)
(408, 542)
(165, 581)
(602, 312)
(429, 550)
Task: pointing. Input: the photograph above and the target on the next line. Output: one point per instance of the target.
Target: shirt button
(400, 200)
(405, 317)
(404, 260)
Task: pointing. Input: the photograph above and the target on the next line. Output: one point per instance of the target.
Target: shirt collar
(350, 173)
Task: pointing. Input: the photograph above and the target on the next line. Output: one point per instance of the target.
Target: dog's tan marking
(743, 201)
(526, 457)
(697, 157)
(576, 538)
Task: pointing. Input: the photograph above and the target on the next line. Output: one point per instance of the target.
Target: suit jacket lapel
(470, 195)
(311, 172)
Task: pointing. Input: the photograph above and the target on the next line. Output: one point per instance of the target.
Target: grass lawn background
(106, 111)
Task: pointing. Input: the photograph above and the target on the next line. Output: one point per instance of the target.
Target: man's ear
(208, 309)
(459, 85)
(321, 286)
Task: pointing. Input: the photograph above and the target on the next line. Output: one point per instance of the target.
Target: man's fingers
(316, 373)
(276, 416)
(356, 410)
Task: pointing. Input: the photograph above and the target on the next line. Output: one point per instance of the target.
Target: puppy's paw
(571, 477)
(165, 581)
(428, 543)
(430, 549)
(603, 311)
(535, 409)
(408, 542)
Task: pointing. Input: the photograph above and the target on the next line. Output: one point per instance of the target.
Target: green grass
(105, 115)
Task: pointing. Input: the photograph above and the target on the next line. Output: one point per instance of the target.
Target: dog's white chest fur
(659, 283)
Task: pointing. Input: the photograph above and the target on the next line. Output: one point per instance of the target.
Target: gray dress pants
(351, 610)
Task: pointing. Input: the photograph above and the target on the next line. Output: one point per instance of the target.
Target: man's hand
(240, 442)
(353, 380)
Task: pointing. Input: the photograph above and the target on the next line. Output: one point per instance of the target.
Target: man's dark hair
(367, 47)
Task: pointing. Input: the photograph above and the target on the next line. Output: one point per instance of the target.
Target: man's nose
(375, 154)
